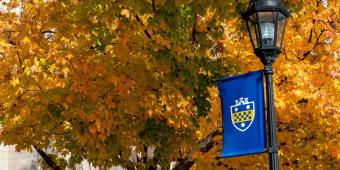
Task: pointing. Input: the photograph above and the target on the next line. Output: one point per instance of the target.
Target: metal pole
(271, 118)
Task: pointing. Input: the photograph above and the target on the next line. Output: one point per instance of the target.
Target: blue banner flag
(243, 114)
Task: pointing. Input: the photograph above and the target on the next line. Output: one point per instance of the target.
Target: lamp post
(266, 20)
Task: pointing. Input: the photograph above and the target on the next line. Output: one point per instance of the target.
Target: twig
(153, 6)
(305, 55)
(145, 31)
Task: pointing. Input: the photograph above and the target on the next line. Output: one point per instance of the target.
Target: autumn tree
(93, 78)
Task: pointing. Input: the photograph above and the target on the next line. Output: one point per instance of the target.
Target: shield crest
(242, 114)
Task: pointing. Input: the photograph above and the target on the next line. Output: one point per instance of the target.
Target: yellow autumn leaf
(66, 71)
(298, 92)
(170, 121)
(199, 134)
(3, 42)
(27, 71)
(15, 81)
(42, 61)
(69, 56)
(52, 68)
(67, 125)
(125, 13)
(16, 118)
(26, 40)
(64, 39)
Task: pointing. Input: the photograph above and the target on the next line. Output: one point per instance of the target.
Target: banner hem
(233, 154)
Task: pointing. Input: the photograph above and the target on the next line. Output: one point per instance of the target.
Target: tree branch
(305, 55)
(7, 31)
(20, 62)
(47, 159)
(48, 31)
(205, 145)
(147, 34)
(56, 133)
(153, 6)
(194, 31)
(19, 58)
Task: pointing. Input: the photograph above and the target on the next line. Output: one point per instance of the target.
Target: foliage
(93, 78)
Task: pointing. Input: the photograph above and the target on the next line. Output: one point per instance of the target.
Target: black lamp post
(266, 21)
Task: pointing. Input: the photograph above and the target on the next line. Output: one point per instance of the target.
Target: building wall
(12, 160)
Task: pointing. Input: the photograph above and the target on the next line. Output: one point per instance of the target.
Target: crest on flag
(242, 114)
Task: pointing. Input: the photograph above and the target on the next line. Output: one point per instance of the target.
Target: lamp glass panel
(280, 29)
(253, 30)
(266, 3)
(267, 27)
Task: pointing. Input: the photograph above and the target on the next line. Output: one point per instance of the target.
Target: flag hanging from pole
(243, 115)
